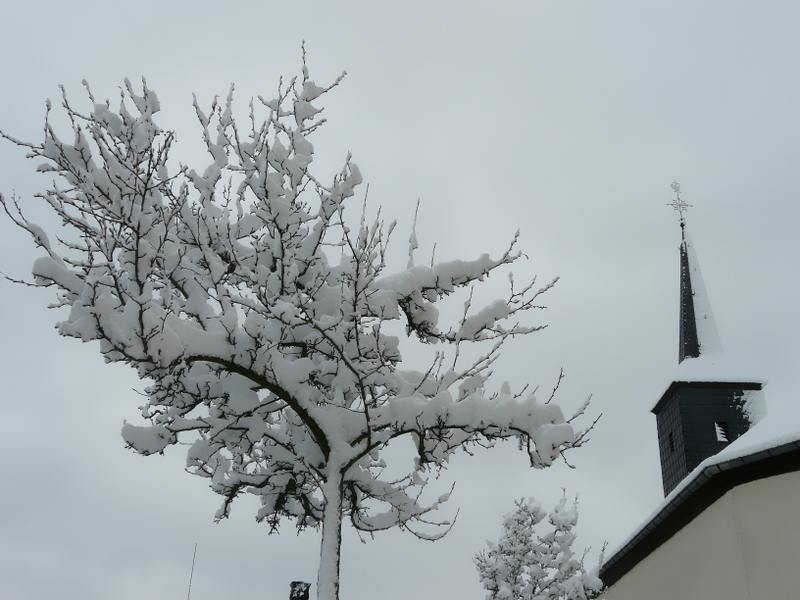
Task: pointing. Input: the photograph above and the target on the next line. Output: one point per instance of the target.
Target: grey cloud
(566, 121)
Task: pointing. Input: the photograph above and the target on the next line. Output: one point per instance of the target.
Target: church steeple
(688, 341)
(696, 419)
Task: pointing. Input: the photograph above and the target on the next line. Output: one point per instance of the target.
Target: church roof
(771, 447)
(676, 385)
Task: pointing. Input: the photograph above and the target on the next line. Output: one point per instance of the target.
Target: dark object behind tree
(298, 590)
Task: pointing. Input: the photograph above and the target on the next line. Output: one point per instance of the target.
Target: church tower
(697, 419)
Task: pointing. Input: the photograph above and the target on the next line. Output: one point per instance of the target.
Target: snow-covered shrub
(530, 562)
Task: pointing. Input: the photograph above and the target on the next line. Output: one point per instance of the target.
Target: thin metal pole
(191, 573)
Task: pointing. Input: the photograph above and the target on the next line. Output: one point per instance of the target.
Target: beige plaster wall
(745, 546)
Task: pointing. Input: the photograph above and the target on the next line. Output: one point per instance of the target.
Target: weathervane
(678, 203)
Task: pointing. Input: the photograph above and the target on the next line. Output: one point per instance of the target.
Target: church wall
(742, 547)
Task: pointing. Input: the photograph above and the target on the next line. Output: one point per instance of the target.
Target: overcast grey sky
(565, 119)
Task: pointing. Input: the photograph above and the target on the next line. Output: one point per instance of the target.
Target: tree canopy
(259, 316)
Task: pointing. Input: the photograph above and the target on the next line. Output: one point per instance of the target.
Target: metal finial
(678, 203)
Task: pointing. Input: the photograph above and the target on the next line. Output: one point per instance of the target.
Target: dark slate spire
(688, 342)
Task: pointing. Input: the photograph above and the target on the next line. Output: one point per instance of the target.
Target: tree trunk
(330, 547)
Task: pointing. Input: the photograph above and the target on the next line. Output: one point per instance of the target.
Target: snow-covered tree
(261, 318)
(532, 562)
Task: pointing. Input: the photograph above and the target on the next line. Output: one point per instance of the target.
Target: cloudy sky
(567, 120)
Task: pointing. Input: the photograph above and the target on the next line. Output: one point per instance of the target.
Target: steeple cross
(678, 203)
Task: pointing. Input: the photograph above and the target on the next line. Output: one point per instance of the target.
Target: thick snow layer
(755, 406)
(707, 332)
(772, 431)
(732, 365)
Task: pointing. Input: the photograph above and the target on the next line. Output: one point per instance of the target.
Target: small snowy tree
(260, 317)
(529, 564)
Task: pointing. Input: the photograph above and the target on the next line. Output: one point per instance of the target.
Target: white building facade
(732, 533)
